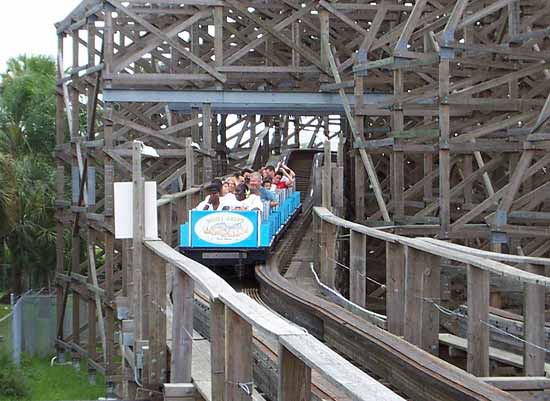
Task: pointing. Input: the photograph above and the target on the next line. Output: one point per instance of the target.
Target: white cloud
(27, 27)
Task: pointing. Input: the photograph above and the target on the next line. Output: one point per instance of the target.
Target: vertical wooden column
(109, 176)
(218, 39)
(182, 328)
(109, 242)
(157, 321)
(316, 242)
(137, 241)
(533, 325)
(358, 268)
(75, 123)
(324, 19)
(338, 179)
(478, 312)
(444, 154)
(238, 362)
(165, 222)
(395, 287)
(468, 189)
(359, 168)
(294, 377)
(296, 38)
(60, 197)
(428, 185)
(327, 177)
(328, 254)
(189, 172)
(422, 290)
(207, 142)
(398, 173)
(92, 332)
(217, 349)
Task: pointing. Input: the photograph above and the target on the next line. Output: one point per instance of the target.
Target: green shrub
(12, 382)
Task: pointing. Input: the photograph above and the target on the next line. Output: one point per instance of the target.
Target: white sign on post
(124, 210)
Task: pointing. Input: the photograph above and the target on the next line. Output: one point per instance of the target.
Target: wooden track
(418, 374)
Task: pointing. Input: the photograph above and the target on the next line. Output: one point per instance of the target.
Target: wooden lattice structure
(442, 104)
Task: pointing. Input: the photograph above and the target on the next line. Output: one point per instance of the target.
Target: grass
(4, 310)
(60, 382)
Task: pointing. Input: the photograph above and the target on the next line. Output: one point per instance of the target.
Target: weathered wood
(395, 291)
(182, 328)
(238, 362)
(294, 377)
(534, 319)
(478, 317)
(358, 268)
(422, 294)
(217, 347)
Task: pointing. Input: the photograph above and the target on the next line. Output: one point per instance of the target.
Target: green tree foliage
(27, 138)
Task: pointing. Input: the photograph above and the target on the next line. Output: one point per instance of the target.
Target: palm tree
(27, 132)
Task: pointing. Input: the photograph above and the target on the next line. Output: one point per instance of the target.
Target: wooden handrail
(464, 255)
(306, 351)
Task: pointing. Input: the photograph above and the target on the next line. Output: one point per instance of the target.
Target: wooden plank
(328, 254)
(505, 357)
(395, 291)
(182, 328)
(238, 364)
(358, 268)
(338, 371)
(294, 377)
(478, 315)
(217, 349)
(519, 383)
(534, 354)
(327, 177)
(422, 282)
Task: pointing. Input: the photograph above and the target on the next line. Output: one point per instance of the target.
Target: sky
(27, 27)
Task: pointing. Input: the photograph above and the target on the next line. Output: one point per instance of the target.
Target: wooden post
(533, 325)
(478, 312)
(238, 362)
(358, 268)
(359, 169)
(395, 291)
(92, 333)
(190, 173)
(75, 260)
(328, 254)
(157, 321)
(207, 142)
(422, 291)
(137, 240)
(327, 177)
(182, 328)
(398, 167)
(217, 349)
(444, 156)
(294, 377)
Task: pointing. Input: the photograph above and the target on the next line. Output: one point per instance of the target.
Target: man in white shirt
(213, 201)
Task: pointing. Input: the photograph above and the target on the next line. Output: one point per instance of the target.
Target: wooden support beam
(327, 177)
(207, 142)
(328, 254)
(422, 293)
(182, 328)
(294, 377)
(478, 316)
(534, 354)
(444, 156)
(395, 283)
(358, 268)
(238, 362)
(217, 349)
